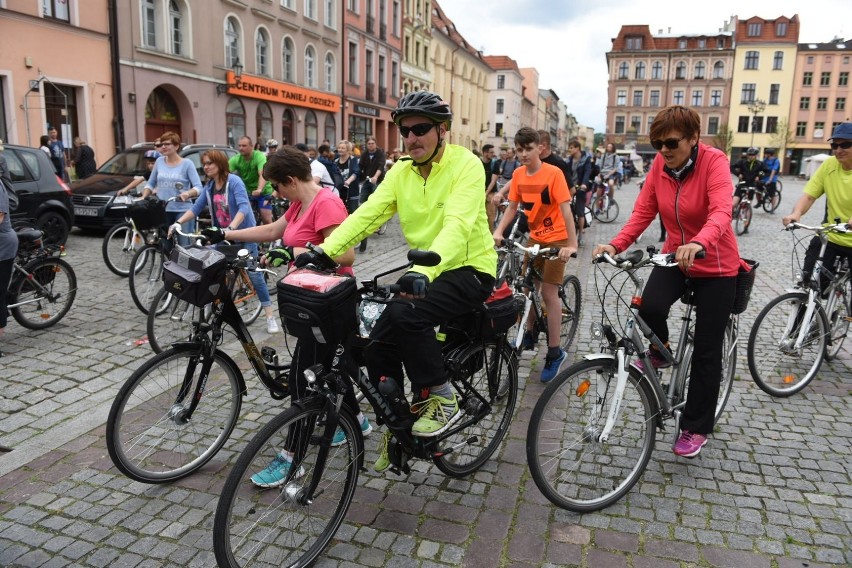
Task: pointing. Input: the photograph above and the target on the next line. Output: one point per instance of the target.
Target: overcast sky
(567, 41)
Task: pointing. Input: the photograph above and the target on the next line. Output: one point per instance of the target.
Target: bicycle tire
(570, 295)
(146, 438)
(774, 366)
(838, 322)
(729, 367)
(492, 372)
(119, 247)
(146, 276)
(270, 525)
(246, 299)
(743, 217)
(171, 320)
(607, 214)
(770, 205)
(570, 466)
(36, 309)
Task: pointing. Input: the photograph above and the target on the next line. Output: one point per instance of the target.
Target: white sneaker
(272, 325)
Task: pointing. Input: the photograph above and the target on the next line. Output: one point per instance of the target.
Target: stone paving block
(722, 558)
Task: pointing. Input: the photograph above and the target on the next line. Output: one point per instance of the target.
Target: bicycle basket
(745, 282)
(195, 275)
(319, 306)
(501, 311)
(148, 213)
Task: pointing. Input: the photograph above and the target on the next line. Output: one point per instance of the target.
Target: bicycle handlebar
(242, 261)
(636, 259)
(832, 228)
(537, 250)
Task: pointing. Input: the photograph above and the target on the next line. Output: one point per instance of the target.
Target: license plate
(86, 211)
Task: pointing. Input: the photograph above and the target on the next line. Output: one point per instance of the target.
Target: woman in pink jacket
(690, 187)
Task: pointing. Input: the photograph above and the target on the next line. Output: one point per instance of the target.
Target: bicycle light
(597, 330)
(311, 373)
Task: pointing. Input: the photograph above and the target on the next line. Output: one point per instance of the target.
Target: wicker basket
(745, 282)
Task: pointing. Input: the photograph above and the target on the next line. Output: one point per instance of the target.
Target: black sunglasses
(845, 145)
(417, 129)
(670, 143)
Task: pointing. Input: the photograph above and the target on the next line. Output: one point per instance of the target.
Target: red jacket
(695, 210)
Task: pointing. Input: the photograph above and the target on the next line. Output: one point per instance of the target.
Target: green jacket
(444, 214)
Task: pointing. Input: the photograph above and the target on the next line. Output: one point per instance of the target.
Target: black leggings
(5, 276)
(713, 299)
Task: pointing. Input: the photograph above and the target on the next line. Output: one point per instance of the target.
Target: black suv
(45, 200)
(95, 206)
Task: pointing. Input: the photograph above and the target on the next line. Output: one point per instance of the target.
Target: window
(149, 23)
(638, 98)
(263, 122)
(825, 79)
(176, 27)
(382, 71)
(654, 99)
(353, 63)
(774, 93)
(810, 59)
(330, 11)
(621, 98)
(311, 129)
(368, 72)
(235, 121)
(718, 70)
(680, 70)
(639, 72)
(840, 103)
(650, 122)
(742, 124)
(843, 79)
(623, 70)
(657, 70)
(699, 70)
(57, 9)
(501, 81)
(352, 6)
(287, 54)
(677, 97)
(330, 128)
(702, 43)
(801, 128)
(311, 9)
(395, 78)
(713, 125)
(635, 123)
(288, 4)
(819, 125)
(780, 29)
(310, 69)
(499, 109)
(771, 124)
(697, 97)
(498, 129)
(395, 18)
(748, 92)
(822, 103)
(807, 78)
(755, 29)
(805, 103)
(715, 98)
(778, 60)
(757, 124)
(681, 44)
(752, 59)
(288, 119)
(232, 45)
(634, 43)
(329, 73)
(261, 52)
(619, 125)
(720, 42)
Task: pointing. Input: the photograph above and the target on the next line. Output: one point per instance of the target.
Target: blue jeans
(188, 227)
(257, 278)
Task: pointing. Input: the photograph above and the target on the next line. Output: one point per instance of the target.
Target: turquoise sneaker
(276, 473)
(437, 414)
(340, 437)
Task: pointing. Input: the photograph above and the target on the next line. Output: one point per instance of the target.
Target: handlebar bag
(195, 275)
(316, 305)
(148, 213)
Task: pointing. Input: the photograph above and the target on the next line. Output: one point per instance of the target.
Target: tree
(783, 137)
(600, 137)
(724, 139)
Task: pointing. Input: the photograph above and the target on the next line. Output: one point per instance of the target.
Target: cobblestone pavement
(771, 489)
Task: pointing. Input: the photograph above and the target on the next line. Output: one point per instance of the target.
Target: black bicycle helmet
(752, 151)
(423, 103)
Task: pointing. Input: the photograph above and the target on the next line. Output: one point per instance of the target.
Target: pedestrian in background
(8, 242)
(57, 153)
(84, 159)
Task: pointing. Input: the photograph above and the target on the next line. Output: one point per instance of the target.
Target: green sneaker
(437, 414)
(384, 459)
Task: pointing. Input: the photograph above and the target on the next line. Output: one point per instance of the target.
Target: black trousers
(832, 252)
(404, 335)
(5, 276)
(713, 299)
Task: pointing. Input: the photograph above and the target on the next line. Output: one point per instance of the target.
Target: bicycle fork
(617, 396)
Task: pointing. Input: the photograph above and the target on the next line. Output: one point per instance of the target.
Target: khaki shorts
(552, 269)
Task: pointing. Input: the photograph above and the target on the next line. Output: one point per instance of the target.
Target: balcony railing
(371, 24)
(383, 95)
(371, 91)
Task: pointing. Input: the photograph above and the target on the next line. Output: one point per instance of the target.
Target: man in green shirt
(248, 164)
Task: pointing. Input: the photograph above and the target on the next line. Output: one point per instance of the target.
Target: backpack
(333, 171)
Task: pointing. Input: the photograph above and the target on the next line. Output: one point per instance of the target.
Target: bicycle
(761, 192)
(604, 208)
(525, 285)
(146, 268)
(508, 259)
(292, 524)
(123, 240)
(742, 213)
(177, 410)
(43, 285)
(796, 331)
(594, 427)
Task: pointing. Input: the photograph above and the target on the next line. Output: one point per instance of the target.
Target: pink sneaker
(657, 360)
(689, 444)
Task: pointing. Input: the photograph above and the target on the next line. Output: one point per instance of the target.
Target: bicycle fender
(196, 346)
(596, 356)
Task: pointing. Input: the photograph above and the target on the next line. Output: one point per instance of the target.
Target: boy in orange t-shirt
(546, 199)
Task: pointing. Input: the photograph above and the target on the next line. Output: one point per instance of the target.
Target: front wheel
(742, 217)
(569, 462)
(570, 297)
(275, 514)
(44, 299)
(487, 394)
(171, 319)
(777, 365)
(146, 276)
(608, 212)
(770, 204)
(120, 244)
(153, 435)
(838, 323)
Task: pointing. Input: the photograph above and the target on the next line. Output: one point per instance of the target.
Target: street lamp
(755, 107)
(237, 68)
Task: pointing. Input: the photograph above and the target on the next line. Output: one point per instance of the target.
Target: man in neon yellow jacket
(437, 191)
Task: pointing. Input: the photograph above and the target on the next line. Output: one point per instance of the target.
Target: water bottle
(395, 398)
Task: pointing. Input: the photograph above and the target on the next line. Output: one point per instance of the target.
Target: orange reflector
(635, 301)
(57, 269)
(789, 379)
(583, 388)
(44, 316)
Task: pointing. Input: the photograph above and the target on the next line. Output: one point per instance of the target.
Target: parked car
(95, 206)
(45, 200)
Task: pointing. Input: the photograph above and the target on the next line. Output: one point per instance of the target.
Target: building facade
(416, 46)
(55, 71)
(508, 108)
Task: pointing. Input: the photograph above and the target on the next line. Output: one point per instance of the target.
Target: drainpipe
(118, 121)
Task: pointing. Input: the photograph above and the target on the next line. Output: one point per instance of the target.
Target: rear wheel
(45, 298)
(729, 367)
(119, 246)
(54, 226)
(607, 211)
(146, 276)
(838, 322)
(570, 297)
(742, 219)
